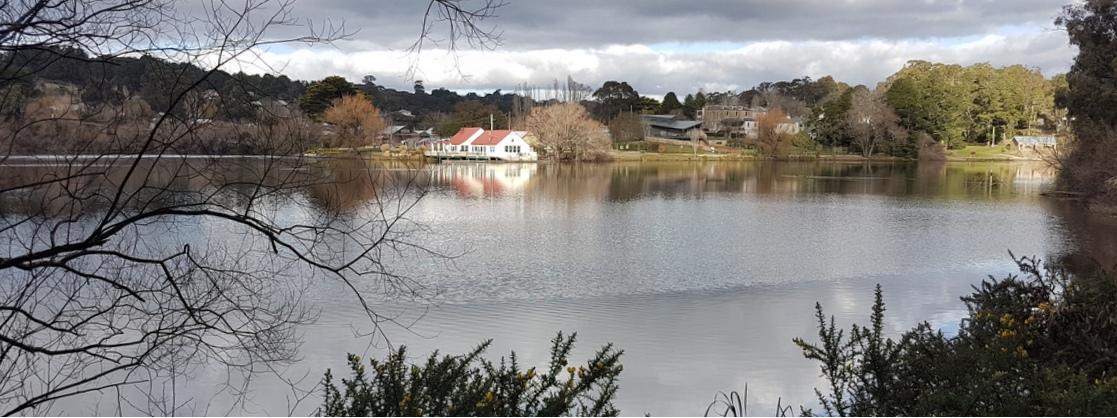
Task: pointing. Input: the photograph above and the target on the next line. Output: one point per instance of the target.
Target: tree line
(922, 105)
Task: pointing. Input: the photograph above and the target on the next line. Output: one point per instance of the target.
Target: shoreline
(615, 156)
(653, 156)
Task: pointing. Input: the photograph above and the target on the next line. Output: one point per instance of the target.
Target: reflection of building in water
(484, 180)
(1033, 178)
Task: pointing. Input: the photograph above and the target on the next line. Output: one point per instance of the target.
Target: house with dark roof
(669, 126)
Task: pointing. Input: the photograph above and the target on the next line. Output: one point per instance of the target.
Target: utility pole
(491, 122)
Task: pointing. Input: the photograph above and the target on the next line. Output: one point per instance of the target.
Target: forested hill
(947, 104)
(154, 80)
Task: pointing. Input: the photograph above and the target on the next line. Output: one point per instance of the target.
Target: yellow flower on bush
(1046, 308)
(1006, 320)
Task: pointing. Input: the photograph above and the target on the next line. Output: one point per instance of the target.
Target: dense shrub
(1042, 343)
(469, 385)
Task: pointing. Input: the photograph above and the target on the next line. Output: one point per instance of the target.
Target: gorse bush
(469, 385)
(1040, 343)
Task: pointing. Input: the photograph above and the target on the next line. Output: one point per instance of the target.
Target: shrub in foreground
(1042, 343)
(469, 385)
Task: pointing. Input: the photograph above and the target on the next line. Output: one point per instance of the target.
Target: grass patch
(982, 151)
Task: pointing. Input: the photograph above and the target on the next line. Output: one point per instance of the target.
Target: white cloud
(652, 72)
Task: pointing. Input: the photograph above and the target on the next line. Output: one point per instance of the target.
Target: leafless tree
(448, 23)
(122, 268)
(572, 91)
(358, 122)
(697, 137)
(872, 122)
(567, 132)
(625, 127)
(524, 99)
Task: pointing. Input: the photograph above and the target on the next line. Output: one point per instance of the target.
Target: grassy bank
(375, 153)
(987, 153)
(747, 156)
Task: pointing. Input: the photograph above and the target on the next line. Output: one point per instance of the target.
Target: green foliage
(955, 104)
(670, 103)
(1090, 95)
(828, 120)
(468, 385)
(803, 90)
(736, 404)
(1093, 90)
(690, 106)
(647, 105)
(471, 113)
(115, 80)
(932, 98)
(321, 94)
(13, 97)
(615, 97)
(1041, 344)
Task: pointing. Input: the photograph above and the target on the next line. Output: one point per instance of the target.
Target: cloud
(655, 71)
(592, 23)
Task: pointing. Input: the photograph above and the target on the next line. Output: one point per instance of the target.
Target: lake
(702, 272)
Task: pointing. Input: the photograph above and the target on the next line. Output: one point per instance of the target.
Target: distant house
(395, 130)
(479, 144)
(743, 126)
(669, 126)
(396, 134)
(790, 126)
(424, 138)
(429, 134)
(1033, 143)
(402, 114)
(730, 120)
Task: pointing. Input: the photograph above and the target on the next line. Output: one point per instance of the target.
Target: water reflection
(483, 180)
(702, 272)
(629, 181)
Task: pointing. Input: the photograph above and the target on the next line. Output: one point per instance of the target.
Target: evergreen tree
(321, 94)
(670, 103)
(1091, 98)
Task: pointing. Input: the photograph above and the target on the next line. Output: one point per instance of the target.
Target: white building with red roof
(479, 144)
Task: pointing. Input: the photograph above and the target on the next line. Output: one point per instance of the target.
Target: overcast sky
(682, 46)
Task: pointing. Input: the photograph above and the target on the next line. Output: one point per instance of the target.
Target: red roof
(463, 135)
(491, 137)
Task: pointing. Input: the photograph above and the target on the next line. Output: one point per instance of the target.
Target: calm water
(701, 272)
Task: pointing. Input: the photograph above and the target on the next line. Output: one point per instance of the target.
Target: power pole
(491, 122)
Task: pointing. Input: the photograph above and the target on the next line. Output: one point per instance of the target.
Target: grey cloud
(591, 23)
(858, 41)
